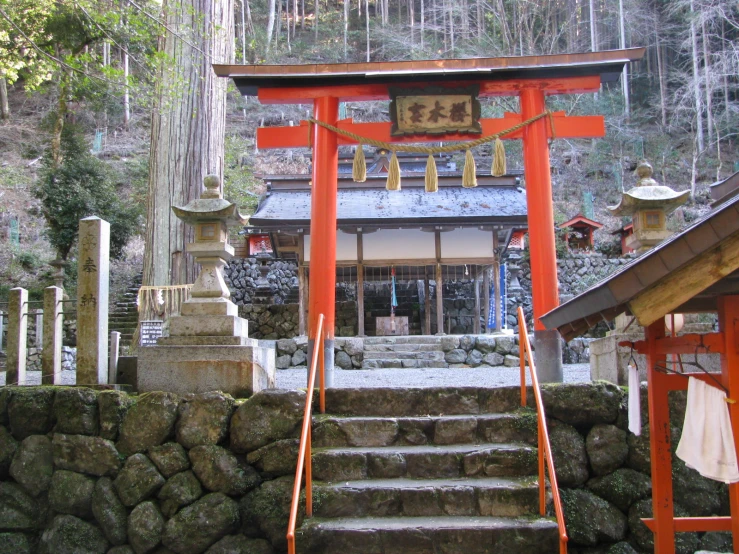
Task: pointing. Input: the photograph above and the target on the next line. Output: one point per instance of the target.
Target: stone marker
(115, 342)
(51, 357)
(17, 336)
(93, 273)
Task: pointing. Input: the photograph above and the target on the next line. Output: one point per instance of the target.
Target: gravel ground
(466, 377)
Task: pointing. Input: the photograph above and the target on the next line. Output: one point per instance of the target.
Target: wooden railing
(304, 454)
(545, 448)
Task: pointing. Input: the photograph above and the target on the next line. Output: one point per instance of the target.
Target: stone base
(237, 370)
(210, 325)
(207, 341)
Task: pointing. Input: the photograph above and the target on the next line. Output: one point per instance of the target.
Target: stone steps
(340, 431)
(424, 462)
(436, 355)
(403, 364)
(403, 347)
(437, 471)
(509, 497)
(411, 339)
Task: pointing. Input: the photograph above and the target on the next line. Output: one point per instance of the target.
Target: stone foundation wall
(94, 472)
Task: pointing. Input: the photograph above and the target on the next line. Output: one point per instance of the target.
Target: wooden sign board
(259, 244)
(434, 111)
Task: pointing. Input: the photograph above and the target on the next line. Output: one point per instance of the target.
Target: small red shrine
(578, 232)
(434, 100)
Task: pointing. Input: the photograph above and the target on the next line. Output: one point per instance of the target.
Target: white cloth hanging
(634, 400)
(707, 442)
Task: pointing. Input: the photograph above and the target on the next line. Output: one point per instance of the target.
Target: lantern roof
(210, 206)
(648, 195)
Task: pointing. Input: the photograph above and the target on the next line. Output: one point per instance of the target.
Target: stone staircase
(448, 471)
(124, 315)
(406, 351)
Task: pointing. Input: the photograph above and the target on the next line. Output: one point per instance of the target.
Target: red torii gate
(531, 78)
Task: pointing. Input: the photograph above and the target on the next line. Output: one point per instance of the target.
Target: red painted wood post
(541, 234)
(728, 320)
(322, 284)
(659, 444)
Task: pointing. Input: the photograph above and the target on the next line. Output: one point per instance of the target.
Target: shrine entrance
(425, 95)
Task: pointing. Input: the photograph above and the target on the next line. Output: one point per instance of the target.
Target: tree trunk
(593, 27)
(187, 131)
(4, 106)
(315, 17)
(366, 14)
(707, 73)
(346, 28)
(243, 32)
(270, 22)
(622, 44)
(126, 98)
(696, 82)
(61, 114)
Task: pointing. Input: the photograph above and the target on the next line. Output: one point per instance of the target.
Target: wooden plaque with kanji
(434, 111)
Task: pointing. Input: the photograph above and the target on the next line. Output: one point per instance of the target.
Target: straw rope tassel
(359, 169)
(432, 178)
(499, 165)
(469, 175)
(393, 174)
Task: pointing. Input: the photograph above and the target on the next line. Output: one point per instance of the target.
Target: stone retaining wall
(103, 472)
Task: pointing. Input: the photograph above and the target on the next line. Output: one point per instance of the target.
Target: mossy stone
(15, 543)
(110, 513)
(622, 488)
(8, 447)
(685, 543)
(180, 490)
(145, 526)
(137, 481)
(71, 493)
(33, 464)
(266, 511)
(568, 451)
(606, 447)
(583, 404)
(220, 471)
(170, 458)
(113, 406)
(150, 422)
(590, 519)
(266, 417)
(70, 535)
(29, 411)
(195, 528)
(19, 511)
(278, 458)
(204, 418)
(239, 544)
(76, 411)
(83, 454)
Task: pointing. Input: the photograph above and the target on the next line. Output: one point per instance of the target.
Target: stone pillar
(17, 335)
(2, 327)
(115, 341)
(51, 356)
(92, 301)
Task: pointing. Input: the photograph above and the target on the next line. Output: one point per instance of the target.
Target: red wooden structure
(530, 78)
(584, 228)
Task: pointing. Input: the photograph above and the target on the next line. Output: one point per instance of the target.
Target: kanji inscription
(435, 111)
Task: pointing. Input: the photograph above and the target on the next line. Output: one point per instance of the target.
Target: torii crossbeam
(531, 78)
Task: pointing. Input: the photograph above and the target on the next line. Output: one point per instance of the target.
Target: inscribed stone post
(115, 342)
(51, 357)
(93, 269)
(17, 335)
(38, 325)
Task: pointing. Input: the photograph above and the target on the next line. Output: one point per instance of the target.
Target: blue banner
(492, 317)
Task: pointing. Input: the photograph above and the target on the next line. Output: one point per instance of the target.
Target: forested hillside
(81, 80)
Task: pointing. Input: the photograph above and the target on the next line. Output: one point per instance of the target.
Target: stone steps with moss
(447, 470)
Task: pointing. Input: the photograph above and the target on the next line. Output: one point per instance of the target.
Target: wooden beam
(691, 279)
(439, 301)
(476, 283)
(370, 92)
(302, 301)
(486, 297)
(360, 285)
(565, 126)
(427, 302)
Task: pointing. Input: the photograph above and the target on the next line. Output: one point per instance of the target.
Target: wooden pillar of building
(302, 303)
(486, 297)
(476, 283)
(427, 300)
(439, 302)
(659, 443)
(360, 284)
(728, 320)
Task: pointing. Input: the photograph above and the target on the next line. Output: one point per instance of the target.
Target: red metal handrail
(304, 454)
(545, 448)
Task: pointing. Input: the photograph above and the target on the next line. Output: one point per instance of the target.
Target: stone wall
(94, 472)
(241, 275)
(604, 473)
(281, 321)
(103, 472)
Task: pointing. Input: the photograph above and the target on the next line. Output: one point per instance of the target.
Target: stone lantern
(648, 204)
(208, 346)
